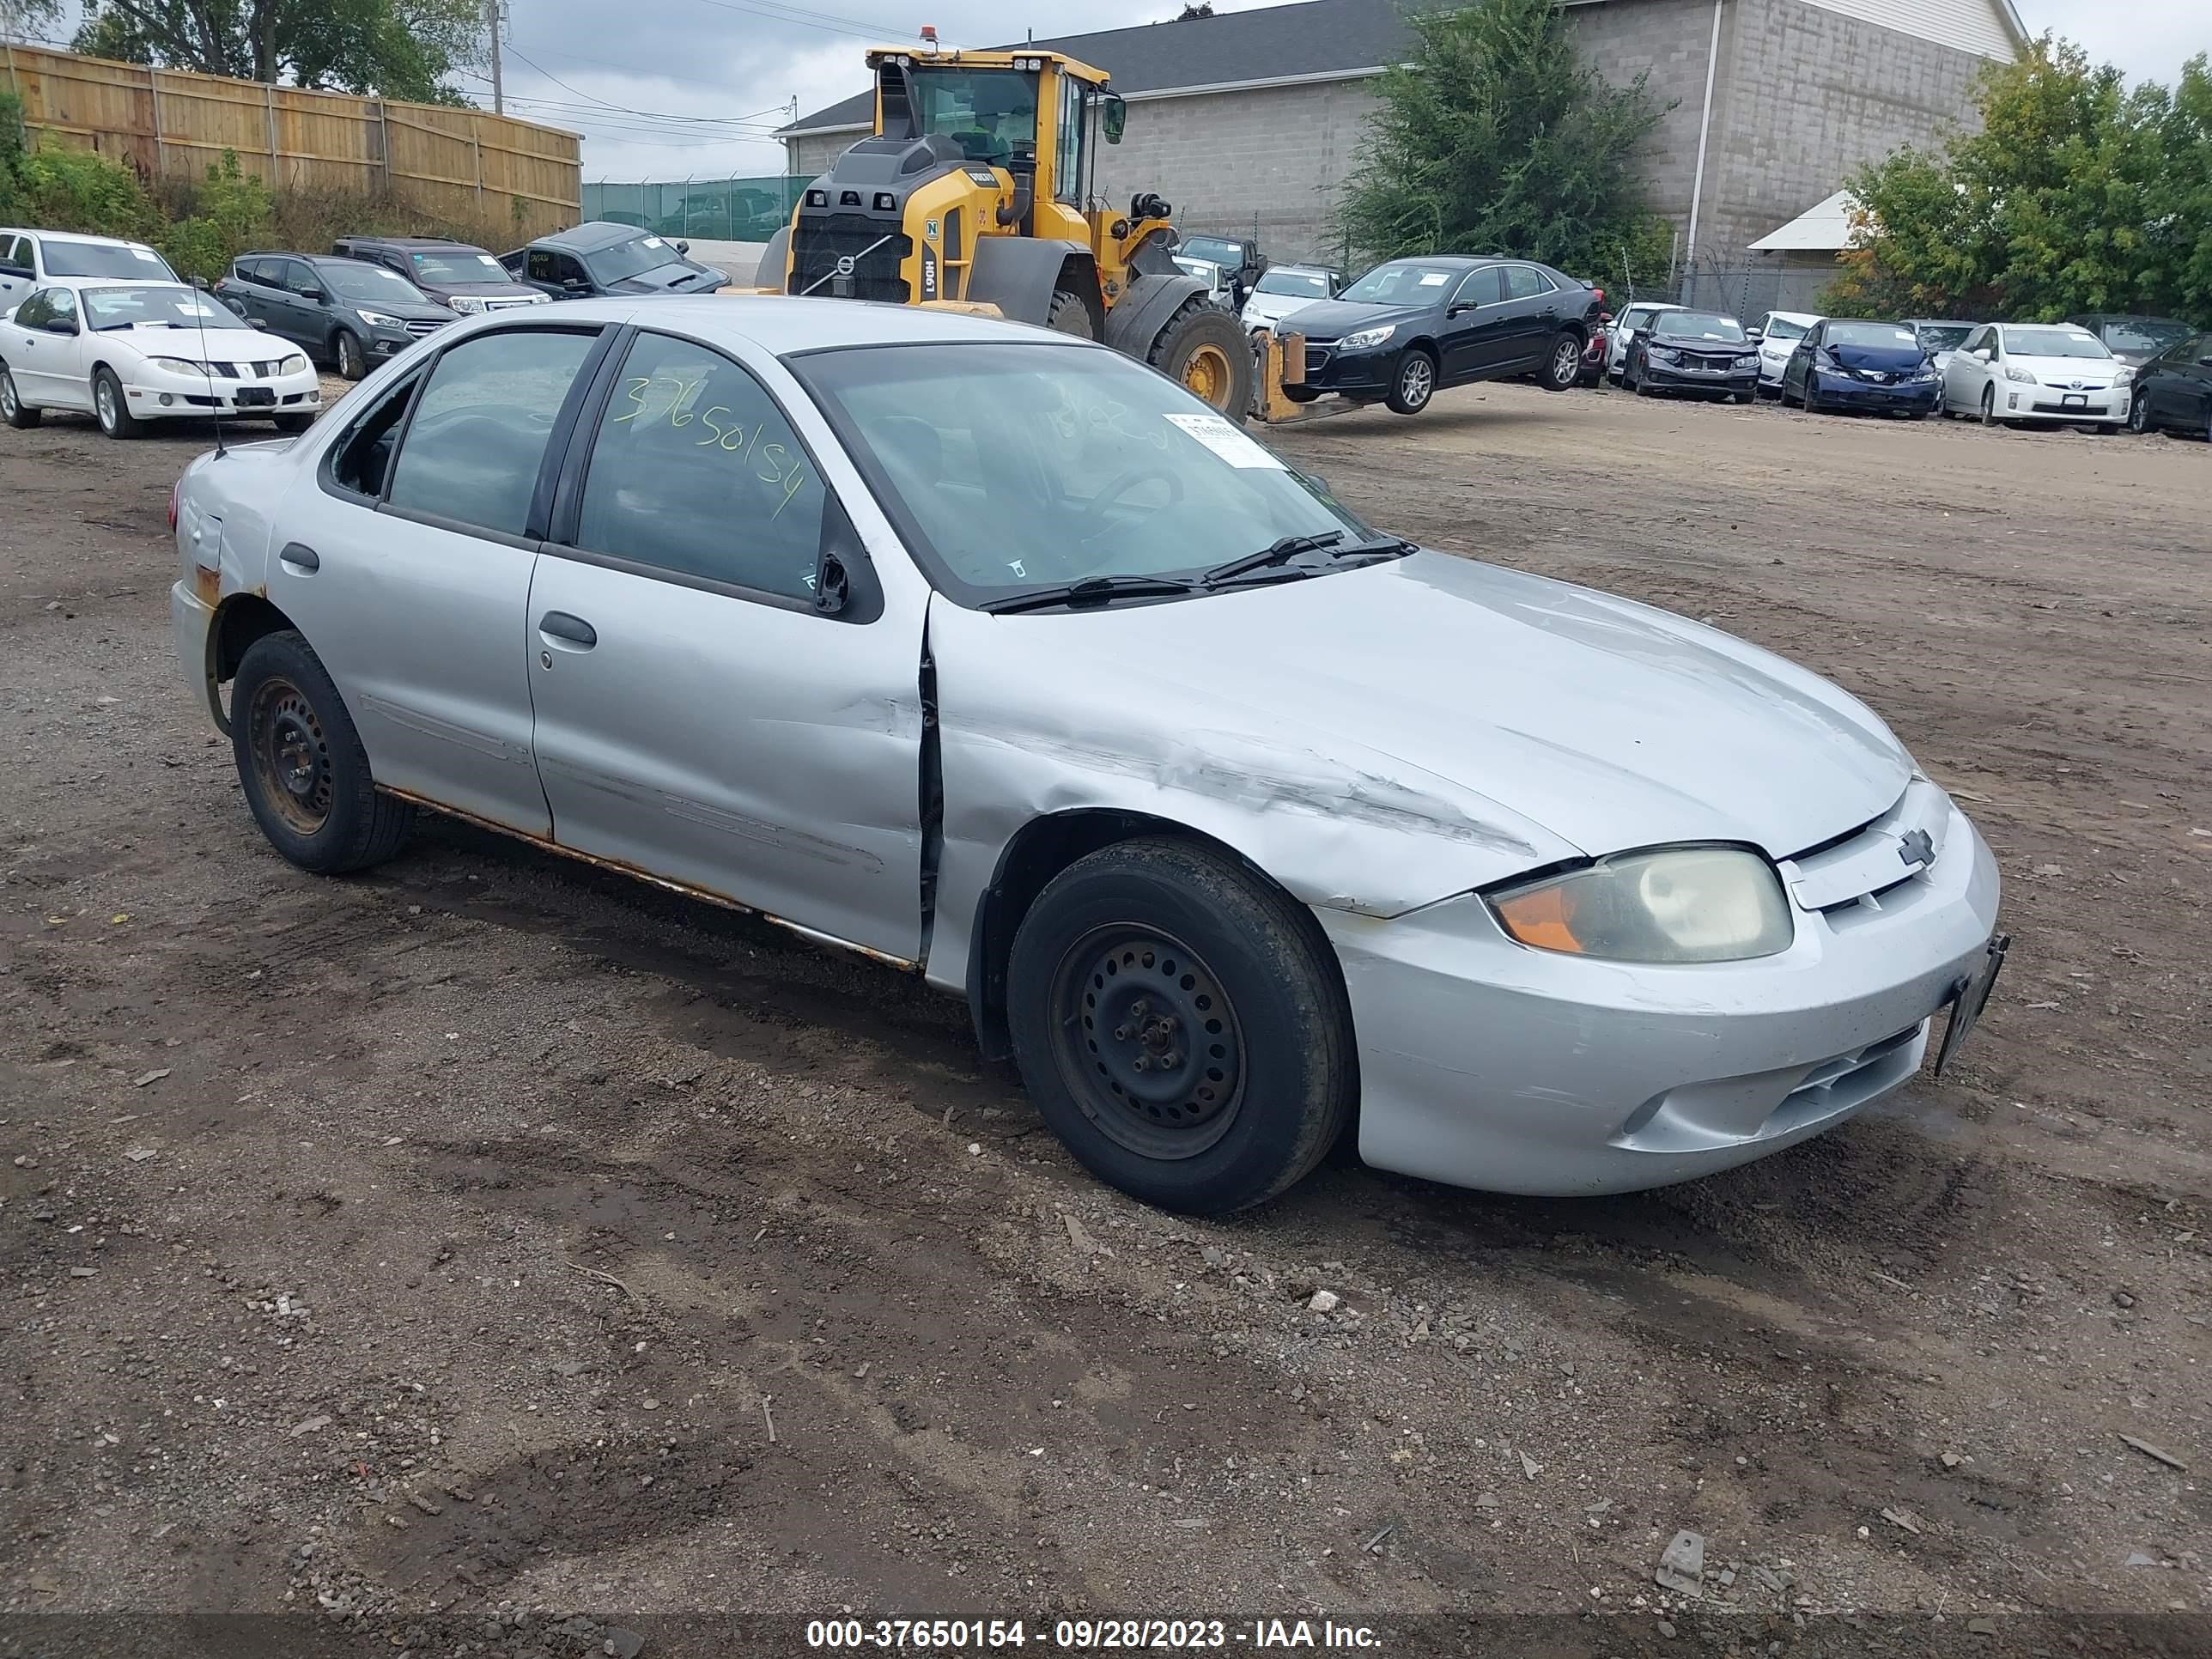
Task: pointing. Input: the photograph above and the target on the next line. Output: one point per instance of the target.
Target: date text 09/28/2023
(1085, 1635)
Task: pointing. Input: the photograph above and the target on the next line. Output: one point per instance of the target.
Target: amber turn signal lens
(1540, 917)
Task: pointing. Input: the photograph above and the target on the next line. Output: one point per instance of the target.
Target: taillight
(173, 488)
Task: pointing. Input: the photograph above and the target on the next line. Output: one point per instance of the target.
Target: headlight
(1662, 354)
(378, 319)
(1676, 905)
(2124, 376)
(466, 302)
(294, 364)
(1750, 361)
(2020, 375)
(1367, 336)
(537, 299)
(178, 365)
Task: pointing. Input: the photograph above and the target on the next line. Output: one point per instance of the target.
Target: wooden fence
(457, 164)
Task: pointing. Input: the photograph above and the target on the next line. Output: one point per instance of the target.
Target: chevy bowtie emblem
(1917, 846)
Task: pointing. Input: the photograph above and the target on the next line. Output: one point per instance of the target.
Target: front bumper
(155, 394)
(191, 620)
(1486, 1064)
(1740, 382)
(1845, 391)
(2051, 402)
(1373, 370)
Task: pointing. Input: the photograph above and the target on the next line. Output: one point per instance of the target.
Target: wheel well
(1427, 347)
(1040, 850)
(241, 620)
(1078, 274)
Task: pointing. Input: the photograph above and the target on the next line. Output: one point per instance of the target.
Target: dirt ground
(491, 1254)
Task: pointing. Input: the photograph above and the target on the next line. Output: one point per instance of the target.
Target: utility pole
(498, 89)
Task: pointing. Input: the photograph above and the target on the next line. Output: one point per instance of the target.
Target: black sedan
(1412, 326)
(1841, 363)
(1694, 351)
(2173, 391)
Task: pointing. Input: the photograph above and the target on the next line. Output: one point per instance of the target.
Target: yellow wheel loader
(975, 190)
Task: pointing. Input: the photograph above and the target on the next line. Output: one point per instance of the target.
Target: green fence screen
(719, 210)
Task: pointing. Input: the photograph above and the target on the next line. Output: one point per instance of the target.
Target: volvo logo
(1917, 846)
(844, 264)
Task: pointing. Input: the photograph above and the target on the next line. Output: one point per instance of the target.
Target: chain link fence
(713, 209)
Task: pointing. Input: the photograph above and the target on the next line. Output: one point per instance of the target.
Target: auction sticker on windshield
(1225, 440)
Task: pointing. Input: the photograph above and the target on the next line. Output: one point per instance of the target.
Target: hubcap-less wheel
(1205, 372)
(350, 366)
(1416, 381)
(1989, 405)
(1566, 362)
(1147, 1041)
(290, 754)
(103, 403)
(8, 406)
(2139, 416)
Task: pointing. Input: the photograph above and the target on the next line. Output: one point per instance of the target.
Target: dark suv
(454, 273)
(602, 258)
(1411, 326)
(347, 312)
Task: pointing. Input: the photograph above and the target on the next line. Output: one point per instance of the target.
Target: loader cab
(1029, 114)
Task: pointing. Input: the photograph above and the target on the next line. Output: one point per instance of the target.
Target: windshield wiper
(1092, 589)
(1289, 548)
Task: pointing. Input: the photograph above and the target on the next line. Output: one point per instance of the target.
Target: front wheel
(12, 409)
(2139, 416)
(1989, 405)
(1812, 400)
(301, 765)
(109, 407)
(1181, 1026)
(1205, 348)
(1416, 383)
(352, 361)
(1564, 367)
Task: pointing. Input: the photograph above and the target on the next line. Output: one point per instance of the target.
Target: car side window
(1480, 288)
(362, 459)
(13, 252)
(300, 275)
(694, 471)
(567, 268)
(61, 305)
(477, 439)
(541, 266)
(34, 311)
(1526, 283)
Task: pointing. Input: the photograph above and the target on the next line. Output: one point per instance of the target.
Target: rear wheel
(1205, 348)
(1179, 1027)
(1565, 366)
(12, 409)
(109, 406)
(352, 361)
(301, 765)
(1069, 315)
(1416, 383)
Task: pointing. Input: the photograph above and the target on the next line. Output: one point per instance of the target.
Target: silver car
(997, 657)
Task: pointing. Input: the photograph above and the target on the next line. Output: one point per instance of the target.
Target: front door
(411, 563)
(49, 368)
(697, 717)
(1474, 325)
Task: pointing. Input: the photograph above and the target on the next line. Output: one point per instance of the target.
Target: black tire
(1174, 942)
(300, 764)
(17, 413)
(110, 408)
(1067, 314)
(1812, 398)
(1206, 349)
(1413, 387)
(1990, 406)
(346, 351)
(2139, 415)
(1302, 394)
(294, 422)
(1564, 368)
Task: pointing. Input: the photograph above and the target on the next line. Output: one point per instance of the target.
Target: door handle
(300, 557)
(560, 625)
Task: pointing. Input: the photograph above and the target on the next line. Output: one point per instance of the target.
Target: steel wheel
(1205, 372)
(1147, 1041)
(291, 755)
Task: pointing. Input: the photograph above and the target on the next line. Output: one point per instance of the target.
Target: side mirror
(15, 271)
(314, 296)
(59, 325)
(2204, 362)
(1113, 117)
(1757, 337)
(255, 322)
(683, 247)
(1980, 353)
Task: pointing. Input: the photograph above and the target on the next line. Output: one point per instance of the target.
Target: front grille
(507, 305)
(242, 371)
(876, 248)
(418, 326)
(1317, 359)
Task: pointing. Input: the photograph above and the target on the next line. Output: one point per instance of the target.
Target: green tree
(2072, 195)
(1497, 138)
(392, 48)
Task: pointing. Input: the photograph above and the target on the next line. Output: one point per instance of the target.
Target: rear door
(697, 716)
(410, 571)
(1532, 306)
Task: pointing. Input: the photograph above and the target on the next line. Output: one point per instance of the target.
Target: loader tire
(1069, 315)
(1204, 349)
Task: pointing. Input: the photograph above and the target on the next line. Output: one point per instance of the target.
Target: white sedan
(126, 353)
(1779, 333)
(1633, 321)
(2028, 372)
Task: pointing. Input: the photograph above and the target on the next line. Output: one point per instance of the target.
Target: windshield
(1041, 464)
(2144, 335)
(1696, 326)
(460, 264)
(1307, 284)
(162, 306)
(66, 258)
(1943, 336)
(1781, 328)
(2052, 343)
(370, 282)
(1881, 337)
(1410, 284)
(624, 260)
(1218, 249)
(987, 111)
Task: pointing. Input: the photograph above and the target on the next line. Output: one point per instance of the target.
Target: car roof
(593, 234)
(407, 242)
(72, 236)
(1938, 322)
(1799, 316)
(788, 326)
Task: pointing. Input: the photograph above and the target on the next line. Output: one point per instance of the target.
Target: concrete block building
(1253, 120)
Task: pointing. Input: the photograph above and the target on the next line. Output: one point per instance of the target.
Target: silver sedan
(997, 657)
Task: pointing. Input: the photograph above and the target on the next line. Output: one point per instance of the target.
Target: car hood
(1887, 359)
(214, 345)
(1521, 704)
(1273, 307)
(2064, 371)
(1331, 320)
(669, 279)
(487, 290)
(406, 310)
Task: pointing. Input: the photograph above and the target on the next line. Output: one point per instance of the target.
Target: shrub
(78, 190)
